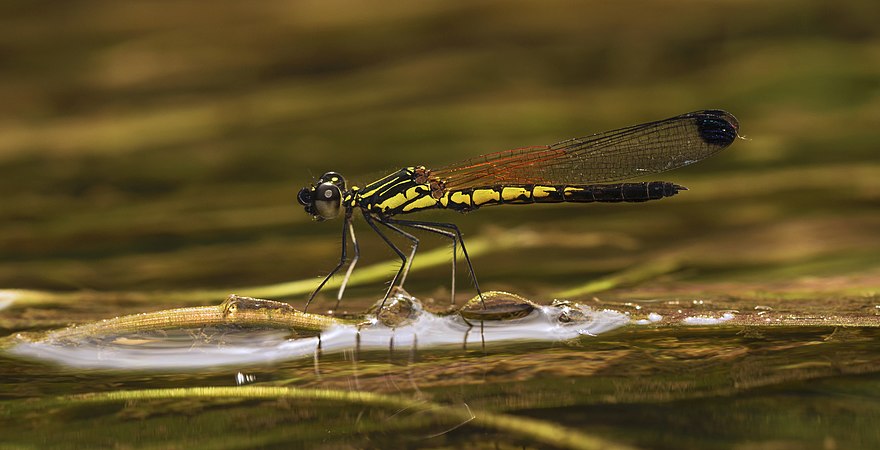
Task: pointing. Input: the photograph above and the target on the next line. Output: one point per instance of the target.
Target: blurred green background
(160, 145)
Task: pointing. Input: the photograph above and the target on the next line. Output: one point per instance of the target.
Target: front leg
(342, 259)
(354, 260)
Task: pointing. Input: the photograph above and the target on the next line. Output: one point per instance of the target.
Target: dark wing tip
(716, 127)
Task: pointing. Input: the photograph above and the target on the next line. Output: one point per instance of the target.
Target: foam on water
(652, 318)
(707, 320)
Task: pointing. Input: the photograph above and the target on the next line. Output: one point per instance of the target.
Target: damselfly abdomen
(576, 170)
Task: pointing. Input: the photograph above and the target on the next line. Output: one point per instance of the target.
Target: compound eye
(333, 177)
(328, 200)
(304, 197)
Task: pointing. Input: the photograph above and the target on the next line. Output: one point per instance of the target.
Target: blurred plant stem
(633, 275)
(541, 431)
(478, 246)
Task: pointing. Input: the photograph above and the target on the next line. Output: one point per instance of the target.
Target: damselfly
(569, 171)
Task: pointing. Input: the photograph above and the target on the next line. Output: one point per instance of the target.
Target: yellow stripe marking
(510, 194)
(420, 203)
(392, 203)
(404, 197)
(393, 179)
(483, 196)
(543, 191)
(569, 191)
(372, 192)
(460, 199)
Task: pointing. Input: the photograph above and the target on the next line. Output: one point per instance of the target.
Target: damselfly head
(323, 200)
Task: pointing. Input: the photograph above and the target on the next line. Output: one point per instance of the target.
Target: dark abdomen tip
(717, 127)
(660, 189)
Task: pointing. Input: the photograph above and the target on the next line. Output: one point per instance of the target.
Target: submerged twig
(235, 310)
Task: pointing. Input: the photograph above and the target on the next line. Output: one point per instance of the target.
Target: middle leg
(455, 235)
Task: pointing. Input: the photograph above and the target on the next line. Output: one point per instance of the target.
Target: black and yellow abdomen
(473, 198)
(400, 194)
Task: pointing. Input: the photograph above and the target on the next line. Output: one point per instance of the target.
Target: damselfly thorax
(581, 170)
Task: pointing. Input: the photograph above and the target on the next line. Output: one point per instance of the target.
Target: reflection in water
(404, 324)
(682, 375)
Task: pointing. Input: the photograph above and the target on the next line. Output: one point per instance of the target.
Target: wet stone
(569, 312)
(497, 305)
(399, 310)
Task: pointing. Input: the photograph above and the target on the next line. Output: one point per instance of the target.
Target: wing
(616, 155)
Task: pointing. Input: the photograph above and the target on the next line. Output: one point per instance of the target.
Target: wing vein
(616, 155)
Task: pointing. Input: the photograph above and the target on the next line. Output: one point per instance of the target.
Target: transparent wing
(616, 155)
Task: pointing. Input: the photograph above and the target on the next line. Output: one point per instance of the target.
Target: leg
(407, 263)
(448, 234)
(454, 228)
(354, 260)
(400, 254)
(342, 259)
(412, 254)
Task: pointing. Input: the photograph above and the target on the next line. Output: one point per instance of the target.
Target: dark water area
(712, 387)
(151, 155)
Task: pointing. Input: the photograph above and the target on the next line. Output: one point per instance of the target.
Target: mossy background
(159, 146)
